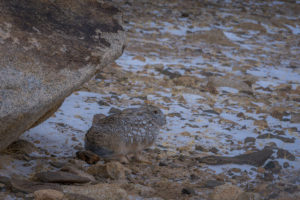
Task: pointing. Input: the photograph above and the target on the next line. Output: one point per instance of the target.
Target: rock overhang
(48, 48)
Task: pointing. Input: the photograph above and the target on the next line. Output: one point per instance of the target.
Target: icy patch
(61, 133)
(282, 74)
(295, 30)
(265, 83)
(233, 36)
(228, 89)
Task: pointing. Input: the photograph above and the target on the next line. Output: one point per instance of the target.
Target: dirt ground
(227, 76)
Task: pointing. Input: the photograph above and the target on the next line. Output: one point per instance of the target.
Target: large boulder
(48, 48)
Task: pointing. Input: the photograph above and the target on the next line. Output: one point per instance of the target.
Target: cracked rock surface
(47, 50)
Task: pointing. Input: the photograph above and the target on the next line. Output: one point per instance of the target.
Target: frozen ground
(221, 73)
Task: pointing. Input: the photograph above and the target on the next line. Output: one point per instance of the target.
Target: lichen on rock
(47, 50)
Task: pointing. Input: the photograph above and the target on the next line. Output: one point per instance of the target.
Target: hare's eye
(155, 112)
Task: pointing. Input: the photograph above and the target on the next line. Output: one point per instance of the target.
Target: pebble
(225, 192)
(114, 110)
(88, 156)
(187, 190)
(212, 183)
(114, 170)
(61, 177)
(200, 148)
(74, 170)
(273, 166)
(249, 139)
(162, 164)
(286, 165)
(48, 194)
(214, 150)
(282, 153)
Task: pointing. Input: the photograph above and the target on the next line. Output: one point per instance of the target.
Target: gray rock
(21, 185)
(273, 166)
(71, 196)
(271, 136)
(113, 170)
(99, 191)
(48, 194)
(187, 190)
(88, 156)
(256, 158)
(114, 111)
(212, 183)
(249, 139)
(48, 50)
(61, 177)
(74, 170)
(282, 153)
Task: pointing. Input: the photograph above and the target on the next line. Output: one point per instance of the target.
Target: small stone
(211, 112)
(61, 177)
(295, 118)
(255, 158)
(214, 150)
(194, 177)
(282, 153)
(98, 170)
(187, 190)
(142, 190)
(78, 163)
(241, 115)
(249, 139)
(271, 145)
(114, 111)
(271, 136)
(5, 180)
(102, 103)
(25, 186)
(162, 164)
(184, 14)
(225, 192)
(286, 165)
(74, 170)
(290, 188)
(249, 196)
(268, 176)
(115, 170)
(212, 183)
(57, 164)
(98, 191)
(72, 196)
(185, 133)
(200, 148)
(261, 170)
(236, 170)
(48, 194)
(88, 156)
(273, 166)
(140, 58)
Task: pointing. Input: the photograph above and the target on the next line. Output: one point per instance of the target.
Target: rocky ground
(227, 76)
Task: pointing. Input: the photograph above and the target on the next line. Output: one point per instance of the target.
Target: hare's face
(157, 115)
